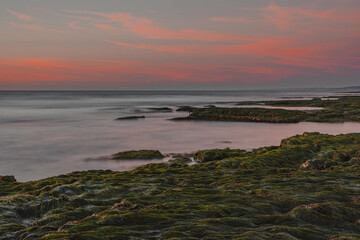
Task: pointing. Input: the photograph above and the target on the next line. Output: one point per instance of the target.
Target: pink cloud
(74, 25)
(263, 47)
(160, 48)
(22, 16)
(284, 17)
(290, 18)
(148, 29)
(36, 27)
(280, 52)
(38, 70)
(103, 26)
(232, 19)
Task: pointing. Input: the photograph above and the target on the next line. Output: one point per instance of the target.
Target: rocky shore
(339, 109)
(305, 188)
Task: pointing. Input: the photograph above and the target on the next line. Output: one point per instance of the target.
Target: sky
(172, 44)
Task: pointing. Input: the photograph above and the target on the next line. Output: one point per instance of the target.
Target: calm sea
(45, 133)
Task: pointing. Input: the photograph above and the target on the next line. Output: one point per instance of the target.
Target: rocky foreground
(306, 188)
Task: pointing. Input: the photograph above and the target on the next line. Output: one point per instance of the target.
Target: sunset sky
(172, 44)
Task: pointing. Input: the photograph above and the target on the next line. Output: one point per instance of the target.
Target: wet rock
(130, 118)
(180, 160)
(138, 154)
(9, 178)
(218, 154)
(160, 109)
(223, 142)
(185, 109)
(316, 99)
(337, 110)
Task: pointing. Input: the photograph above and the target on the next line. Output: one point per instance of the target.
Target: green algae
(341, 109)
(218, 154)
(245, 115)
(140, 154)
(259, 194)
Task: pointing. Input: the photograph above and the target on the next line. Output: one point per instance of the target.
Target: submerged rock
(160, 109)
(223, 141)
(138, 154)
(130, 118)
(185, 109)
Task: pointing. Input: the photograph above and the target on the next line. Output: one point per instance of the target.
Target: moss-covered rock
(259, 194)
(139, 154)
(218, 154)
(245, 115)
(180, 160)
(340, 109)
(7, 179)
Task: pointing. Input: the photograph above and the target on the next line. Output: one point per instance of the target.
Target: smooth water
(46, 133)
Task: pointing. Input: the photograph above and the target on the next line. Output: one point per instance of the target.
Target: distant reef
(307, 187)
(335, 109)
(130, 118)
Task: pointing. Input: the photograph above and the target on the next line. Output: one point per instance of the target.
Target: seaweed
(233, 194)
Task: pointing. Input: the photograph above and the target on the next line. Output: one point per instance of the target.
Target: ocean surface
(46, 133)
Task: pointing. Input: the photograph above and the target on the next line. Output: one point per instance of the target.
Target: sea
(47, 133)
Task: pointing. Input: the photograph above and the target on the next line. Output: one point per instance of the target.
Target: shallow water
(49, 133)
